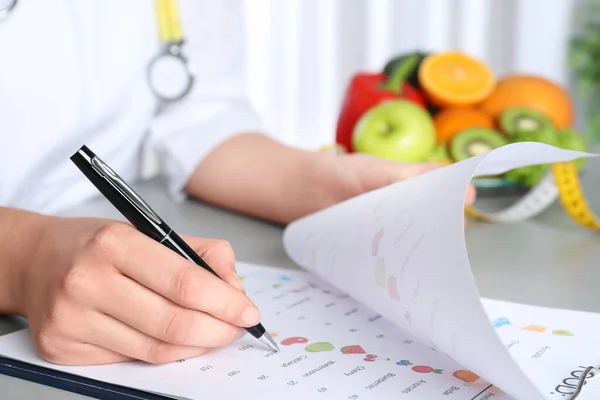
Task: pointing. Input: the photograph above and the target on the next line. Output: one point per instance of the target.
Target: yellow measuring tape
(168, 21)
(562, 183)
(572, 196)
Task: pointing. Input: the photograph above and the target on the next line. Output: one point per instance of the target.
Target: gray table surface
(546, 261)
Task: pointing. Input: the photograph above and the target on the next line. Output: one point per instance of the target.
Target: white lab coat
(73, 72)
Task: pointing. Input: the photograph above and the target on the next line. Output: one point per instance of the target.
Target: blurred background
(301, 53)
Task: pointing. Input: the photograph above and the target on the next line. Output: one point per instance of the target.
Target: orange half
(453, 78)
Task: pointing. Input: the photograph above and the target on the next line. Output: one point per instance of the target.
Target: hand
(350, 175)
(102, 292)
(254, 175)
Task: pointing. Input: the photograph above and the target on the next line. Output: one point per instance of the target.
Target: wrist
(321, 183)
(20, 237)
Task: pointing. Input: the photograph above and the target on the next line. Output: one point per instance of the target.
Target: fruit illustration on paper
(404, 363)
(319, 347)
(523, 119)
(455, 79)
(424, 369)
(562, 332)
(501, 322)
(370, 357)
(449, 121)
(472, 142)
(354, 349)
(535, 328)
(393, 288)
(375, 243)
(294, 340)
(397, 130)
(533, 92)
(380, 272)
(466, 375)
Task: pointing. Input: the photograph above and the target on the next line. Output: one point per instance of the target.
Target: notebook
(384, 307)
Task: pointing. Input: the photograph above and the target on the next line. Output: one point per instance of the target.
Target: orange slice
(453, 78)
(449, 121)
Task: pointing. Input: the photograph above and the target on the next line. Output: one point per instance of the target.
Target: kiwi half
(523, 119)
(475, 141)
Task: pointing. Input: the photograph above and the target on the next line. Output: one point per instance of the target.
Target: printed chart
(327, 338)
(331, 347)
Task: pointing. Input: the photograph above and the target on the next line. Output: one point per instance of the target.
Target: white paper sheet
(401, 250)
(332, 347)
(413, 321)
(552, 346)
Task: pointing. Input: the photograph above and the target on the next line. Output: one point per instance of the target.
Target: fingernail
(240, 334)
(251, 316)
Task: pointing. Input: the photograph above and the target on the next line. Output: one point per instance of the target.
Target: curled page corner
(401, 251)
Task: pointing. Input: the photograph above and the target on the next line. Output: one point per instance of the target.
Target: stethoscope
(168, 74)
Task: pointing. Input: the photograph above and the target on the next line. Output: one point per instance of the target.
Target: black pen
(142, 217)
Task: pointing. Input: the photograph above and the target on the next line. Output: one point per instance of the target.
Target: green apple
(397, 130)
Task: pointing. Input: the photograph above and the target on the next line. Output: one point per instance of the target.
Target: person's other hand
(102, 292)
(352, 174)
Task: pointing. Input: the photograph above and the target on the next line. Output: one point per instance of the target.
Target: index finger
(179, 280)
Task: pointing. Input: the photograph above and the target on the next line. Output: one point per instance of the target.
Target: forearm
(19, 235)
(257, 176)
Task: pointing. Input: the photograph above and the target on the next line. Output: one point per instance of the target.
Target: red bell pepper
(366, 91)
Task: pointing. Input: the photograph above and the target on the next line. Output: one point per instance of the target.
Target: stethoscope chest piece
(168, 74)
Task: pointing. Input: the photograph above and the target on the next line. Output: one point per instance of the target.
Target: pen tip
(268, 340)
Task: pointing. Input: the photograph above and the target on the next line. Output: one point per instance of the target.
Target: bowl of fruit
(449, 106)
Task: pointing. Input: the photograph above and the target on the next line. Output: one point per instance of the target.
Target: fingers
(82, 354)
(410, 170)
(470, 196)
(219, 255)
(112, 336)
(61, 337)
(87, 354)
(155, 316)
(182, 282)
(386, 173)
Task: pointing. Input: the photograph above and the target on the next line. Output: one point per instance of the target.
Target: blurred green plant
(584, 60)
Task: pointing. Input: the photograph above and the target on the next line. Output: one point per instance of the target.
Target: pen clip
(107, 173)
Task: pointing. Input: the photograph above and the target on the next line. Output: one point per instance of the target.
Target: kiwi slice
(475, 141)
(523, 119)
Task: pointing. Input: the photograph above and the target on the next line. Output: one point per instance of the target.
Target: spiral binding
(581, 382)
